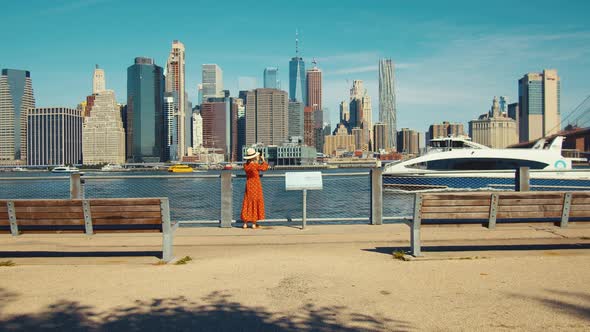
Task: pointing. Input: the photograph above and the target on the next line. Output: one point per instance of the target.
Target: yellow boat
(180, 169)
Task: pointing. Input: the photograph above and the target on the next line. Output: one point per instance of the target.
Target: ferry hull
(539, 181)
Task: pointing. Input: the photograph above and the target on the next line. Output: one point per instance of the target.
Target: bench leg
(415, 239)
(167, 246)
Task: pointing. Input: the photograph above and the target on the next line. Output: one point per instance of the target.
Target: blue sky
(452, 57)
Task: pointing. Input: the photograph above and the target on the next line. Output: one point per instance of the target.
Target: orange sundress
(253, 203)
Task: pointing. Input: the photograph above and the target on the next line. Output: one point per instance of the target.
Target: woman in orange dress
(253, 203)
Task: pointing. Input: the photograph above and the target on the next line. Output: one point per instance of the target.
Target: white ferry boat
(65, 169)
(113, 168)
(458, 163)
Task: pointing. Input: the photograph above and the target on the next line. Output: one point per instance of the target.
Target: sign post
(303, 181)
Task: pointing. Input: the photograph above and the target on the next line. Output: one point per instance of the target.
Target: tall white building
(387, 109)
(212, 81)
(170, 106)
(103, 136)
(175, 82)
(98, 80)
(197, 131)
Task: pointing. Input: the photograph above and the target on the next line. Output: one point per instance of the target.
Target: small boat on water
(65, 169)
(180, 168)
(112, 168)
(456, 163)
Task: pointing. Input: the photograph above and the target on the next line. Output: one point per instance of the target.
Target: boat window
(483, 164)
(421, 165)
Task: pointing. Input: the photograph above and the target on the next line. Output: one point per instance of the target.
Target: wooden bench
(491, 208)
(89, 216)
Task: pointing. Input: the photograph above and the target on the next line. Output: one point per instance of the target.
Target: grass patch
(183, 260)
(7, 263)
(399, 254)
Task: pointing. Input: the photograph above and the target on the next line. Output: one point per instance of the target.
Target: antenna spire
(296, 43)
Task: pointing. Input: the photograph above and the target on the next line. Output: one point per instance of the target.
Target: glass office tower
(146, 126)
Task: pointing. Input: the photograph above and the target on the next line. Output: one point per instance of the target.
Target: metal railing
(216, 199)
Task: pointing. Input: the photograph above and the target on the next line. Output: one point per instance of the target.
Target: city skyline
(449, 60)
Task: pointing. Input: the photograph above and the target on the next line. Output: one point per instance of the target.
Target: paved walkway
(326, 278)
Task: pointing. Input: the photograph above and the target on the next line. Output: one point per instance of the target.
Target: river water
(345, 193)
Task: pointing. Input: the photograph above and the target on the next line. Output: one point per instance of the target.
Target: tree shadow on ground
(570, 303)
(215, 312)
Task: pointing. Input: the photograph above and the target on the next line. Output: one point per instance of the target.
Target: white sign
(303, 180)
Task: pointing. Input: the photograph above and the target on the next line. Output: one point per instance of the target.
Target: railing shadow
(509, 247)
(36, 254)
(217, 312)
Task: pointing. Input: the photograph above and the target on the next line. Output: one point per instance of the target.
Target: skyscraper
(212, 81)
(146, 127)
(361, 113)
(103, 137)
(539, 105)
(266, 116)
(296, 110)
(271, 78)
(380, 139)
(214, 126)
(445, 129)
(98, 80)
(344, 112)
(297, 86)
(170, 112)
(175, 82)
(387, 111)
(16, 96)
(54, 136)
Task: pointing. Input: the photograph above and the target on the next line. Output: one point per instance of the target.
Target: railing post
(376, 196)
(226, 199)
(75, 186)
(522, 179)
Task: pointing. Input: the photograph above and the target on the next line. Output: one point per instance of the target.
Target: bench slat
(581, 214)
(467, 215)
(65, 209)
(36, 221)
(583, 207)
(530, 195)
(467, 202)
(456, 196)
(124, 201)
(124, 215)
(446, 209)
(46, 203)
(528, 201)
(143, 208)
(49, 215)
(579, 200)
(517, 214)
(531, 208)
(113, 221)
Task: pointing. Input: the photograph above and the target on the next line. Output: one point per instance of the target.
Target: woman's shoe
(245, 225)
